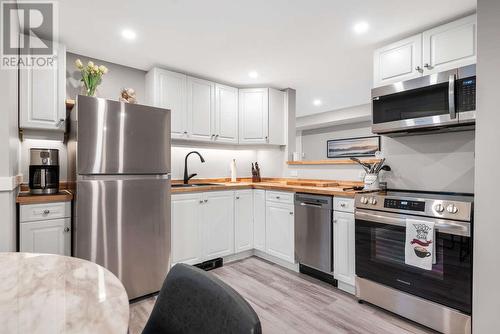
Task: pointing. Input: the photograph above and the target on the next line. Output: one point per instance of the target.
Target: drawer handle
(277, 197)
(66, 229)
(46, 212)
(342, 205)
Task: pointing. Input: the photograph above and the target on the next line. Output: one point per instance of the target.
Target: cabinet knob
(427, 66)
(277, 197)
(419, 69)
(185, 132)
(46, 212)
(335, 221)
(206, 200)
(342, 205)
(66, 229)
(237, 197)
(60, 122)
(201, 201)
(291, 213)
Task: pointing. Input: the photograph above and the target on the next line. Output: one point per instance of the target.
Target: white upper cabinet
(243, 220)
(166, 89)
(201, 109)
(398, 61)
(42, 94)
(450, 46)
(253, 115)
(226, 114)
(276, 117)
(439, 49)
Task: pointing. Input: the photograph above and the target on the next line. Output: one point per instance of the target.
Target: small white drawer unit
(279, 197)
(45, 228)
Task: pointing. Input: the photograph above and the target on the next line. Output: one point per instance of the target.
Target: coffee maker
(44, 171)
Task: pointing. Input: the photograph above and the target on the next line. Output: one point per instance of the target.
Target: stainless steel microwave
(444, 101)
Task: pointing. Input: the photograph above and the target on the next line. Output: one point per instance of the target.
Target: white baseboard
(9, 183)
(346, 287)
(280, 262)
(238, 256)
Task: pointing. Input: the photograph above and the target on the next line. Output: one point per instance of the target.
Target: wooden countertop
(28, 198)
(280, 185)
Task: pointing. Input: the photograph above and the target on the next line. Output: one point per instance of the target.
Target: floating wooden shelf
(331, 162)
(70, 103)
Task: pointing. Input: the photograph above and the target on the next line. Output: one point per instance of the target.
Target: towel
(419, 245)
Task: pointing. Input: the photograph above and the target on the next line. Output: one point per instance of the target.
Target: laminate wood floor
(288, 302)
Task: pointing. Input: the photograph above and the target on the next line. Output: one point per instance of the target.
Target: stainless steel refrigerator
(120, 158)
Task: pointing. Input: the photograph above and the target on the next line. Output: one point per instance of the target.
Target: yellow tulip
(78, 64)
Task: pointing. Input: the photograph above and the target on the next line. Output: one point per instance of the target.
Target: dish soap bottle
(233, 170)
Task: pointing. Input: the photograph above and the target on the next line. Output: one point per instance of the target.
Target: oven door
(424, 102)
(380, 257)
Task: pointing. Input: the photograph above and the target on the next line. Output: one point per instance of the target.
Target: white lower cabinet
(243, 220)
(202, 226)
(344, 249)
(186, 222)
(46, 236)
(259, 219)
(45, 228)
(280, 236)
(218, 224)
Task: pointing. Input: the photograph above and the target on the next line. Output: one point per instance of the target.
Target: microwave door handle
(451, 97)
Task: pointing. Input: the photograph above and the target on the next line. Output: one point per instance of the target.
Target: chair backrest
(194, 301)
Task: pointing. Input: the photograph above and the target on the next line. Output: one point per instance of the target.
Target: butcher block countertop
(321, 187)
(25, 197)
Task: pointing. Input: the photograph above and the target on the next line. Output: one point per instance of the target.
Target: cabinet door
(218, 224)
(168, 90)
(449, 46)
(343, 247)
(201, 109)
(186, 228)
(42, 93)
(398, 61)
(46, 236)
(276, 117)
(280, 231)
(259, 219)
(226, 114)
(243, 220)
(253, 115)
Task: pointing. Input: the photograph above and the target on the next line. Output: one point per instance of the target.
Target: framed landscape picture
(353, 147)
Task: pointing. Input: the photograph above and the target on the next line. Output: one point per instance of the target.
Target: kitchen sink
(182, 185)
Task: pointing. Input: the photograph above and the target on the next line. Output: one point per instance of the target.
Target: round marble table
(43, 293)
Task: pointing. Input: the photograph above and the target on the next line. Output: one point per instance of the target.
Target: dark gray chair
(194, 301)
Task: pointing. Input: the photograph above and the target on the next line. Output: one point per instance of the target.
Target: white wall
(9, 146)
(436, 162)
(486, 293)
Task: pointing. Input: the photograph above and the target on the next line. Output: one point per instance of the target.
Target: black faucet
(186, 177)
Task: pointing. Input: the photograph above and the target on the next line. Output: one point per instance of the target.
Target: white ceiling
(308, 45)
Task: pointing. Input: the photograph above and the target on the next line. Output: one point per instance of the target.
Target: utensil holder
(371, 182)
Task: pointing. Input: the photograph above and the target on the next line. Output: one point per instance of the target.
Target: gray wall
(117, 78)
(486, 293)
(437, 162)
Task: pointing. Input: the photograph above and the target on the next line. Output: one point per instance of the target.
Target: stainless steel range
(439, 298)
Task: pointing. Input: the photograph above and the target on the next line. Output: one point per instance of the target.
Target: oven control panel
(404, 205)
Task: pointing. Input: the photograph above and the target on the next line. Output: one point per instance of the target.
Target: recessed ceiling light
(253, 74)
(361, 27)
(317, 102)
(129, 34)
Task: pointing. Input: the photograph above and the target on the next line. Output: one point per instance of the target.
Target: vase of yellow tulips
(91, 76)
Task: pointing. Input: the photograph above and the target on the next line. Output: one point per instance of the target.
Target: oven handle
(451, 96)
(443, 226)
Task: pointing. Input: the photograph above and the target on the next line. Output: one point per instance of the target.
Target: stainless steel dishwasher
(314, 236)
